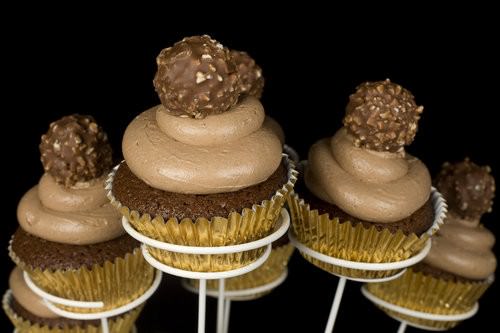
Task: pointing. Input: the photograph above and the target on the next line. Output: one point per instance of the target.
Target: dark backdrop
(95, 65)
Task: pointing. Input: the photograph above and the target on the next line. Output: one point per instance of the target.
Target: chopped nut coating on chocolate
(382, 116)
(196, 77)
(252, 81)
(75, 149)
(468, 188)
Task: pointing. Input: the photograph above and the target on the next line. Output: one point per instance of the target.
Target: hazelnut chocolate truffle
(197, 77)
(469, 188)
(75, 149)
(252, 81)
(382, 116)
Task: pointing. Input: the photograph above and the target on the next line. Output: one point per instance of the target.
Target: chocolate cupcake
(28, 313)
(70, 239)
(364, 198)
(460, 265)
(204, 168)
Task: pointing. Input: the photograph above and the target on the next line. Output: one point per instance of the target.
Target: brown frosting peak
(382, 116)
(252, 81)
(196, 77)
(75, 149)
(468, 188)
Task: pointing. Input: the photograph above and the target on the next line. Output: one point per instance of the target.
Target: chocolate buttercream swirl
(372, 186)
(463, 247)
(221, 153)
(77, 216)
(27, 298)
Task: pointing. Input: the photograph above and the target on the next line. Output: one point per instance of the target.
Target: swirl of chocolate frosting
(27, 298)
(372, 186)
(221, 153)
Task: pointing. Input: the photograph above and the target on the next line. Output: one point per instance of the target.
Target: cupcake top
(69, 204)
(27, 298)
(364, 169)
(462, 245)
(210, 134)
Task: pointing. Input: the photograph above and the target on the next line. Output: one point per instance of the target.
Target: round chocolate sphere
(196, 77)
(75, 149)
(382, 116)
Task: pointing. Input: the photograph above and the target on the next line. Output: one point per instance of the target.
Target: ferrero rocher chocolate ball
(382, 116)
(468, 188)
(196, 77)
(252, 81)
(75, 149)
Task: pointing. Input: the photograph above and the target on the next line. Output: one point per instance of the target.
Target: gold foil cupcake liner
(239, 227)
(121, 324)
(425, 293)
(270, 271)
(355, 242)
(114, 283)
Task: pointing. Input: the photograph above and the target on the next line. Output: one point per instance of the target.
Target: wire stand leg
(220, 306)
(336, 304)
(202, 298)
(227, 311)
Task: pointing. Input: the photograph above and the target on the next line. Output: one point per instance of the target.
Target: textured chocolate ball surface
(196, 77)
(75, 149)
(382, 116)
(251, 79)
(468, 188)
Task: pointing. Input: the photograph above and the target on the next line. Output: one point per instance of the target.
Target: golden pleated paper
(114, 283)
(121, 324)
(355, 243)
(425, 293)
(237, 228)
(271, 270)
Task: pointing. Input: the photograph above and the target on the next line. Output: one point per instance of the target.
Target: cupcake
(272, 270)
(70, 239)
(461, 265)
(204, 168)
(364, 198)
(29, 314)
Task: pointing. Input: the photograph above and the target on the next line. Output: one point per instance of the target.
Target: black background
(103, 64)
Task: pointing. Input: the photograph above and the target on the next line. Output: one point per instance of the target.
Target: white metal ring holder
(440, 209)
(283, 225)
(417, 314)
(50, 301)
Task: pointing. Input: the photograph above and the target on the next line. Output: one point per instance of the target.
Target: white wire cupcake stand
(51, 301)
(222, 307)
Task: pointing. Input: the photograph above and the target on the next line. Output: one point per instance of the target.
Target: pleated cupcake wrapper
(114, 283)
(271, 270)
(239, 227)
(425, 293)
(355, 243)
(120, 324)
